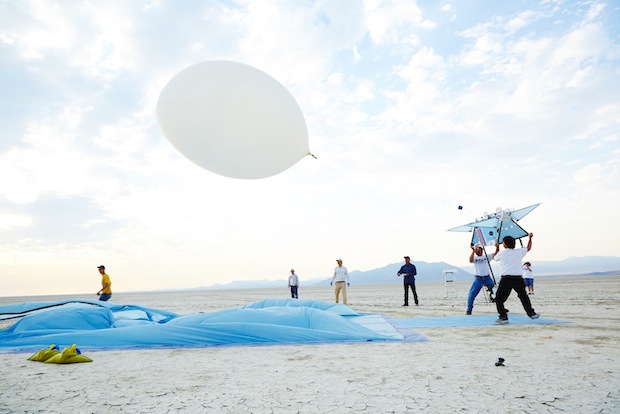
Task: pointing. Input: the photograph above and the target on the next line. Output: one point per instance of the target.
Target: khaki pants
(341, 286)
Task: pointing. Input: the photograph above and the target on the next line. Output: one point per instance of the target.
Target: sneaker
(535, 316)
(501, 321)
(468, 313)
(405, 304)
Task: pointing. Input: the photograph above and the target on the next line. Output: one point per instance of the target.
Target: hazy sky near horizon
(413, 108)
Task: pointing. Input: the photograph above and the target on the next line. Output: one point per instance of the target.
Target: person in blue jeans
(483, 276)
(408, 271)
(293, 284)
(105, 293)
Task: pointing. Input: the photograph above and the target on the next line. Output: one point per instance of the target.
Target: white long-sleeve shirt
(293, 280)
(341, 274)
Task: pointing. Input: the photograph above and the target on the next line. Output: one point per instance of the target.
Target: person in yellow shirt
(105, 292)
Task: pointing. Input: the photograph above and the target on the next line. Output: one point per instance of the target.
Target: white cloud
(596, 10)
(390, 21)
(8, 221)
(597, 177)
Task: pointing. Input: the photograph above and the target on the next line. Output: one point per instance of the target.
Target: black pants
(506, 285)
(294, 294)
(415, 294)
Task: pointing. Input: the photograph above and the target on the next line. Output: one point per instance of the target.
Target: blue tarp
(103, 325)
(470, 320)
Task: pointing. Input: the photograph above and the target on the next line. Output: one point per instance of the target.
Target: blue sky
(413, 108)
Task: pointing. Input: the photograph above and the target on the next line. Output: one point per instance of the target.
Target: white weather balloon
(233, 119)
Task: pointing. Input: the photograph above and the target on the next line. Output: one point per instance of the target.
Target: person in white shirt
(341, 278)
(293, 284)
(483, 275)
(512, 277)
(528, 277)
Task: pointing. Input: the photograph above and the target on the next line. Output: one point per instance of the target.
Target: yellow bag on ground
(45, 354)
(69, 355)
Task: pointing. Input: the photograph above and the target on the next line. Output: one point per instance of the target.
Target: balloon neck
(313, 156)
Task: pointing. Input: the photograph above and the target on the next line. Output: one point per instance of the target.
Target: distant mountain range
(434, 272)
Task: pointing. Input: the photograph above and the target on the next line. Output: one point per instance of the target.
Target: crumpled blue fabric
(103, 325)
